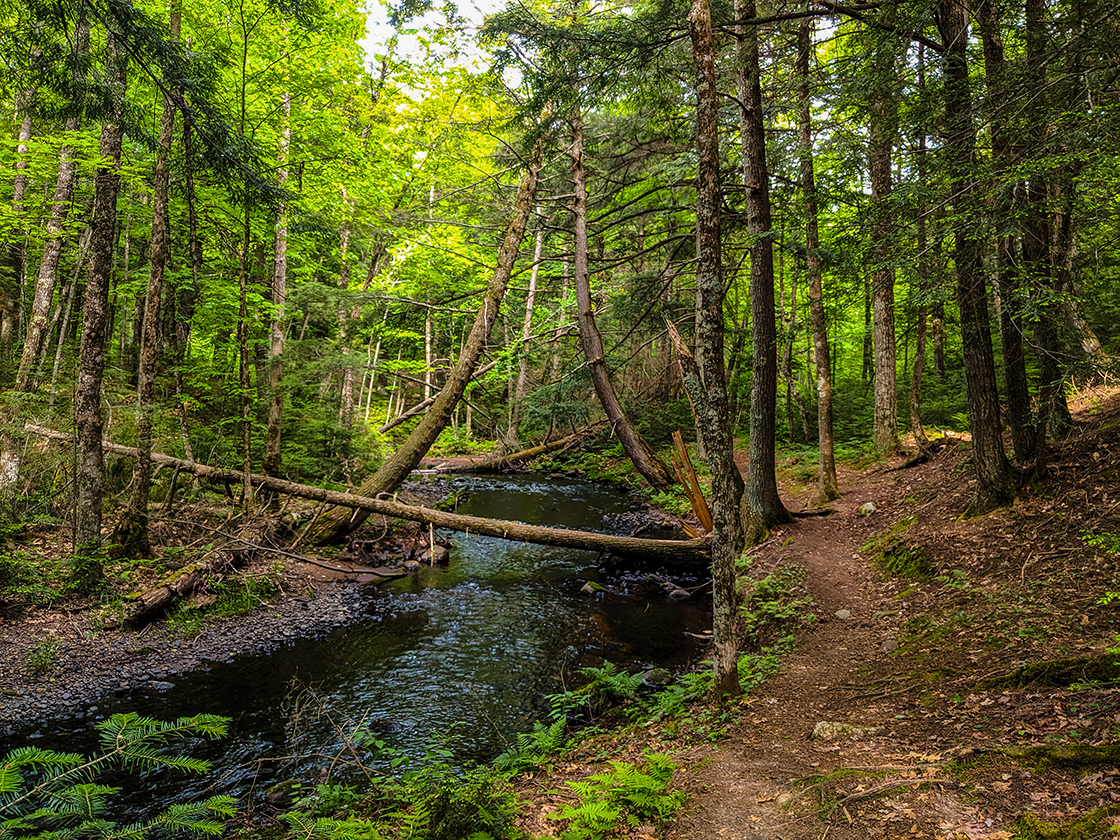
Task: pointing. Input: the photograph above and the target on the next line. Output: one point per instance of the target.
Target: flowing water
(462, 655)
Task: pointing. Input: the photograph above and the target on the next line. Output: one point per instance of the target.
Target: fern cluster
(627, 793)
(49, 795)
(533, 748)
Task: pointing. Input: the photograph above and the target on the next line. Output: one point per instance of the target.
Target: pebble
(843, 615)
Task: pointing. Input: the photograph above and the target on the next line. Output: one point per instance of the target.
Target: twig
(883, 788)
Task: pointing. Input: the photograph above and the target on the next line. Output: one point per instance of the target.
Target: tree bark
(883, 130)
(764, 508)
(1036, 240)
(346, 396)
(706, 378)
(827, 486)
(271, 464)
(652, 468)
(52, 246)
(920, 439)
(333, 524)
(88, 422)
(995, 483)
(527, 326)
(131, 534)
(690, 551)
(1004, 159)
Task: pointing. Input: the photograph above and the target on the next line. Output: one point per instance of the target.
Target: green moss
(898, 557)
(1059, 673)
(1094, 824)
(1065, 755)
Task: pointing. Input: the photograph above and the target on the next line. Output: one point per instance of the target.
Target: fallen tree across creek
(694, 550)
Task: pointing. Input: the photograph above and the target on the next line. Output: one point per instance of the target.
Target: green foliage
(533, 748)
(772, 603)
(672, 500)
(41, 656)
(1106, 541)
(25, 578)
(47, 795)
(623, 797)
(674, 699)
(85, 571)
(607, 687)
(757, 668)
(429, 799)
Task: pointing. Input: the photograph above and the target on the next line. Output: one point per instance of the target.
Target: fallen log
(694, 550)
(501, 462)
(152, 603)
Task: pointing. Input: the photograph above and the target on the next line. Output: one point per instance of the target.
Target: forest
(248, 243)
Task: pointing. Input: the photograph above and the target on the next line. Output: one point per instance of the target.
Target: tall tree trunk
(346, 396)
(131, 534)
(1036, 240)
(15, 257)
(527, 326)
(335, 523)
(883, 129)
(995, 483)
(645, 461)
(1004, 159)
(867, 370)
(763, 507)
(827, 486)
(920, 439)
(244, 366)
(1063, 250)
(95, 319)
(35, 333)
(271, 465)
(706, 380)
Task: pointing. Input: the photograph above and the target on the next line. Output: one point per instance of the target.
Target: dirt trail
(740, 788)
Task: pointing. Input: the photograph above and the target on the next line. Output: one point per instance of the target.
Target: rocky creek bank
(62, 660)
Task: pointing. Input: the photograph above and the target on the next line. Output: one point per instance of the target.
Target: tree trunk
(271, 464)
(827, 486)
(131, 534)
(1004, 159)
(95, 319)
(645, 461)
(883, 129)
(527, 326)
(52, 245)
(763, 507)
(334, 523)
(920, 439)
(244, 367)
(346, 396)
(706, 378)
(1036, 240)
(995, 483)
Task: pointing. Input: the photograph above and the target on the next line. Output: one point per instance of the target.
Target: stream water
(462, 655)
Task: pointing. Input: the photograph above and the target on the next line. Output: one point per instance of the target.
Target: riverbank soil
(956, 683)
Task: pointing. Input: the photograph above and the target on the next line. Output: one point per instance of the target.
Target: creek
(463, 656)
